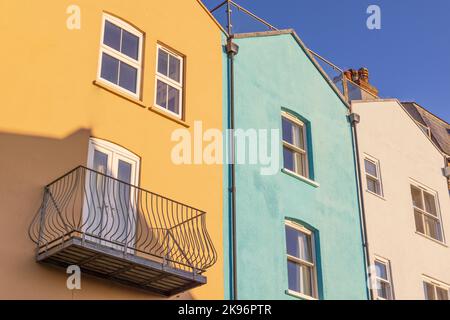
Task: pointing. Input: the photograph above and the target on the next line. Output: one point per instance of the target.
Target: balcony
(117, 231)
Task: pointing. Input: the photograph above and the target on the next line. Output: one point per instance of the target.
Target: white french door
(109, 214)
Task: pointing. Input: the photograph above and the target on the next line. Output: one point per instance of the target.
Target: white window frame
(296, 149)
(169, 81)
(438, 216)
(387, 281)
(368, 176)
(312, 265)
(436, 284)
(120, 56)
(425, 129)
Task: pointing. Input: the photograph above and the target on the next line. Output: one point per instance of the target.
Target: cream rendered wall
(387, 133)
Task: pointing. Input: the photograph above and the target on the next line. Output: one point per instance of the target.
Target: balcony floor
(128, 269)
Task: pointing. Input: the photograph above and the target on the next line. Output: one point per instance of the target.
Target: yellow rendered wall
(50, 107)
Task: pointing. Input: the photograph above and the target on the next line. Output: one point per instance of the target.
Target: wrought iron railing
(101, 209)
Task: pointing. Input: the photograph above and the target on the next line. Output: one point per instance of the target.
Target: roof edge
(410, 117)
(426, 110)
(304, 49)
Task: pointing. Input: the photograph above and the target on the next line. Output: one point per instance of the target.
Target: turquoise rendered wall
(273, 73)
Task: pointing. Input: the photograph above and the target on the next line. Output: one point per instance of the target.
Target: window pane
(298, 244)
(381, 270)
(287, 131)
(130, 45)
(161, 94)
(293, 133)
(429, 291)
(288, 158)
(112, 35)
(442, 294)
(110, 68)
(124, 171)
(128, 77)
(174, 69)
(371, 168)
(419, 222)
(100, 162)
(300, 164)
(384, 290)
(417, 197)
(430, 204)
(373, 185)
(300, 278)
(432, 228)
(163, 61)
(174, 100)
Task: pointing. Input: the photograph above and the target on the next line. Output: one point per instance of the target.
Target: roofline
(303, 47)
(410, 116)
(426, 110)
(202, 5)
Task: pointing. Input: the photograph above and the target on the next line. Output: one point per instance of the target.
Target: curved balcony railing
(101, 209)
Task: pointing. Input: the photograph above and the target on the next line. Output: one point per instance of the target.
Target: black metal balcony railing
(118, 231)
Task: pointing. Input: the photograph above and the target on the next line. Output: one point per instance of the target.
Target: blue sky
(408, 59)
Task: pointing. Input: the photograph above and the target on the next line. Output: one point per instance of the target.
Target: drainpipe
(354, 120)
(232, 50)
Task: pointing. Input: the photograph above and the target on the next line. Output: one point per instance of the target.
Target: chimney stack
(361, 78)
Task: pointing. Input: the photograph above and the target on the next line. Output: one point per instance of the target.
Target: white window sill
(299, 177)
(117, 91)
(299, 295)
(168, 115)
(432, 239)
(376, 195)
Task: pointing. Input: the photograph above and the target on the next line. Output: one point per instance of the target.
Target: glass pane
(161, 94)
(124, 171)
(163, 62)
(130, 45)
(300, 278)
(174, 100)
(371, 168)
(384, 290)
(128, 77)
(174, 69)
(432, 228)
(293, 133)
(429, 291)
(112, 35)
(300, 164)
(381, 270)
(110, 68)
(373, 185)
(288, 158)
(297, 133)
(442, 294)
(419, 222)
(298, 244)
(416, 194)
(122, 205)
(430, 204)
(100, 162)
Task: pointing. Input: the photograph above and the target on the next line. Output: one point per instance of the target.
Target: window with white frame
(169, 81)
(121, 55)
(383, 280)
(426, 213)
(373, 176)
(295, 155)
(435, 290)
(302, 276)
